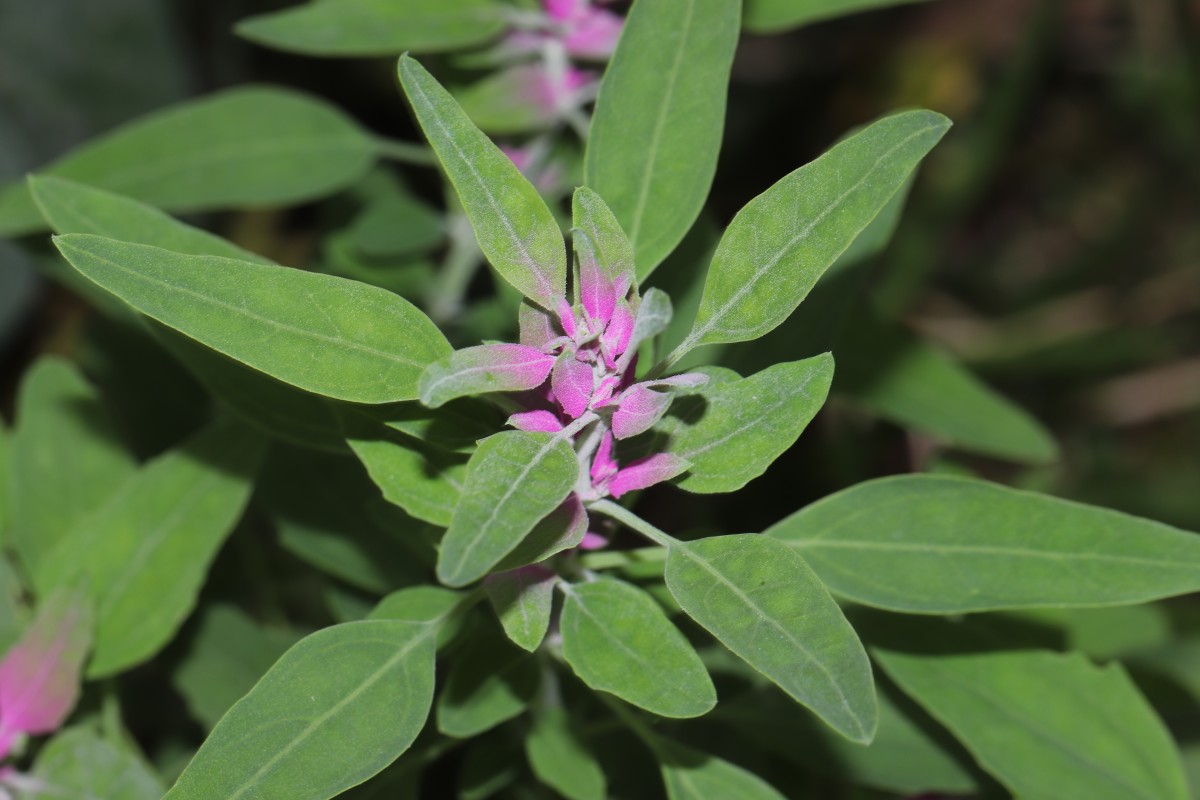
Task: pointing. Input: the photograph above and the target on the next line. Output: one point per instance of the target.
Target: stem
(632, 521)
(463, 258)
(622, 558)
(406, 152)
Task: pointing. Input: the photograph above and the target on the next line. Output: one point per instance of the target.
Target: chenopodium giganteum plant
(595, 413)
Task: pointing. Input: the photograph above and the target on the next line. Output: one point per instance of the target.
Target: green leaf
(428, 604)
(913, 384)
(395, 222)
(501, 103)
(523, 600)
(227, 655)
(782, 241)
(773, 16)
(240, 148)
(489, 683)
(692, 775)
(145, 553)
(324, 334)
(733, 430)
(66, 460)
(764, 603)
(618, 640)
(561, 760)
(598, 237)
(336, 709)
(422, 480)
(515, 229)
(375, 27)
(513, 480)
(1047, 725)
(79, 765)
(936, 544)
(655, 135)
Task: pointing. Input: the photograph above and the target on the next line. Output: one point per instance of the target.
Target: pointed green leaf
(336, 709)
(489, 683)
(598, 237)
(79, 765)
(244, 147)
(936, 544)
(1047, 725)
(618, 640)
(426, 604)
(655, 135)
(764, 603)
(324, 334)
(773, 16)
(523, 599)
(732, 431)
(145, 553)
(691, 775)
(513, 480)
(375, 27)
(482, 369)
(515, 229)
(778, 246)
(226, 656)
(561, 760)
(66, 459)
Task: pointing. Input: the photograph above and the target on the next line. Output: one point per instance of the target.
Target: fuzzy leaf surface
(77, 764)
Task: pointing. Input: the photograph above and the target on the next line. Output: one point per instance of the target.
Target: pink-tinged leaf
(646, 472)
(593, 541)
(485, 368)
(566, 317)
(40, 675)
(573, 382)
(596, 291)
(640, 407)
(616, 335)
(591, 33)
(539, 329)
(604, 466)
(604, 392)
(536, 421)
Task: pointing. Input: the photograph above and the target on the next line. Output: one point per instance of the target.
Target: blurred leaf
(732, 431)
(227, 655)
(79, 765)
(513, 480)
(490, 682)
(337, 708)
(1047, 724)
(560, 759)
(327, 335)
(618, 640)
(691, 775)
(1107, 633)
(66, 460)
(240, 148)
(936, 544)
(773, 16)
(145, 553)
(376, 27)
(781, 242)
(515, 229)
(513, 100)
(656, 132)
(395, 222)
(764, 603)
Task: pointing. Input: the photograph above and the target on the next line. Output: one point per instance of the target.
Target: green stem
(406, 152)
(632, 521)
(622, 558)
(463, 258)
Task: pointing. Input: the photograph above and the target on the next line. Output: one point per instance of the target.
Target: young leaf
(66, 459)
(618, 640)
(1047, 724)
(778, 246)
(764, 603)
(426, 604)
(375, 27)
(79, 765)
(652, 150)
(481, 369)
(935, 544)
(144, 554)
(336, 709)
(513, 480)
(515, 229)
(324, 334)
(523, 599)
(732, 431)
(489, 683)
(691, 775)
(561, 760)
(226, 656)
(238, 148)
(561, 529)
(598, 238)
(774, 16)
